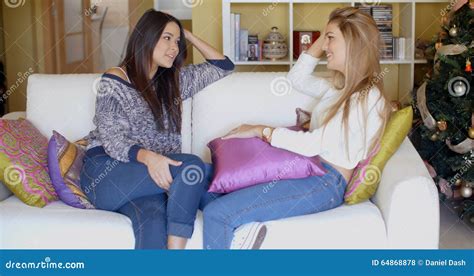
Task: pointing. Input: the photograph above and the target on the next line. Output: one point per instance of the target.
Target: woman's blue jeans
(270, 201)
(128, 188)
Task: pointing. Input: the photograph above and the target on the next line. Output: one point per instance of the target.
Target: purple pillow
(65, 161)
(240, 163)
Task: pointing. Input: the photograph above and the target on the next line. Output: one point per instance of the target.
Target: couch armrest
(408, 200)
(14, 115)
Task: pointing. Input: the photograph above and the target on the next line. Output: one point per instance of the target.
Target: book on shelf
(232, 36)
(302, 40)
(244, 41)
(244, 47)
(237, 36)
(253, 48)
(400, 47)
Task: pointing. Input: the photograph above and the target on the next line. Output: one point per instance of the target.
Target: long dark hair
(162, 91)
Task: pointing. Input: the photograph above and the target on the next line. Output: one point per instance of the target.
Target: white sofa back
(66, 103)
(243, 98)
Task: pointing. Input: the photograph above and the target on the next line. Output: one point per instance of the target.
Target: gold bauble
(434, 137)
(471, 132)
(458, 182)
(442, 125)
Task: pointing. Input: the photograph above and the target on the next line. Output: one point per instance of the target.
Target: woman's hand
(316, 50)
(158, 167)
(245, 131)
(188, 35)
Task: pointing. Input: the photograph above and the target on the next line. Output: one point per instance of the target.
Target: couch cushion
(4, 192)
(59, 226)
(263, 98)
(346, 227)
(68, 106)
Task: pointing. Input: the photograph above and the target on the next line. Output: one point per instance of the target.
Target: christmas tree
(445, 103)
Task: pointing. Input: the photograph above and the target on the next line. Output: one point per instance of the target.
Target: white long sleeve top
(330, 143)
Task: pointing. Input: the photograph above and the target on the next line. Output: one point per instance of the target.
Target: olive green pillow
(366, 176)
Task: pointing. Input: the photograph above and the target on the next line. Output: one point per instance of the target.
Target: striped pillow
(65, 161)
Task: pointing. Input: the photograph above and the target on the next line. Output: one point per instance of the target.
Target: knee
(193, 171)
(213, 212)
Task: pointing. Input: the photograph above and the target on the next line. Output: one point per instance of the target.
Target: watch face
(266, 132)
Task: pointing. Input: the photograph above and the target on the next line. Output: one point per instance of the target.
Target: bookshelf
(289, 15)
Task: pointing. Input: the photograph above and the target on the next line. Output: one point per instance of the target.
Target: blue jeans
(270, 201)
(148, 216)
(111, 184)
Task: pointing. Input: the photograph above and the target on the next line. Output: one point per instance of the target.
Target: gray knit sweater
(125, 123)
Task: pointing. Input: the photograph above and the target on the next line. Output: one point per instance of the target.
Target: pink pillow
(240, 163)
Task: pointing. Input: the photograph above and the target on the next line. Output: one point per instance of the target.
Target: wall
(21, 56)
(2, 42)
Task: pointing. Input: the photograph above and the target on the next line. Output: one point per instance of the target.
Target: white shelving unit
(405, 28)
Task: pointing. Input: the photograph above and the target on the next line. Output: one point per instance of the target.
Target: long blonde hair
(362, 68)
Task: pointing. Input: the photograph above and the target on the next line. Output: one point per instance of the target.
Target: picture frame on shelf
(302, 40)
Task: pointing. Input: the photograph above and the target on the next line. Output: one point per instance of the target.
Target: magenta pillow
(240, 163)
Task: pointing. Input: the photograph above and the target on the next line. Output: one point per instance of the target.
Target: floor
(454, 232)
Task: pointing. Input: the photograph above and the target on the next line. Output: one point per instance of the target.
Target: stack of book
(383, 18)
(244, 46)
(382, 15)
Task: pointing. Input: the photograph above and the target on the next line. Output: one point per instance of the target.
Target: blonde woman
(351, 113)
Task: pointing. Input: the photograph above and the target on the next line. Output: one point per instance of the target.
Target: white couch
(404, 213)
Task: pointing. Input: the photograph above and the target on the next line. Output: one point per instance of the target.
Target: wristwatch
(267, 134)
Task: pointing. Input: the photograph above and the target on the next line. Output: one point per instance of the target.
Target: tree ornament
(458, 86)
(458, 182)
(438, 45)
(470, 132)
(453, 31)
(434, 137)
(468, 66)
(442, 125)
(466, 192)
